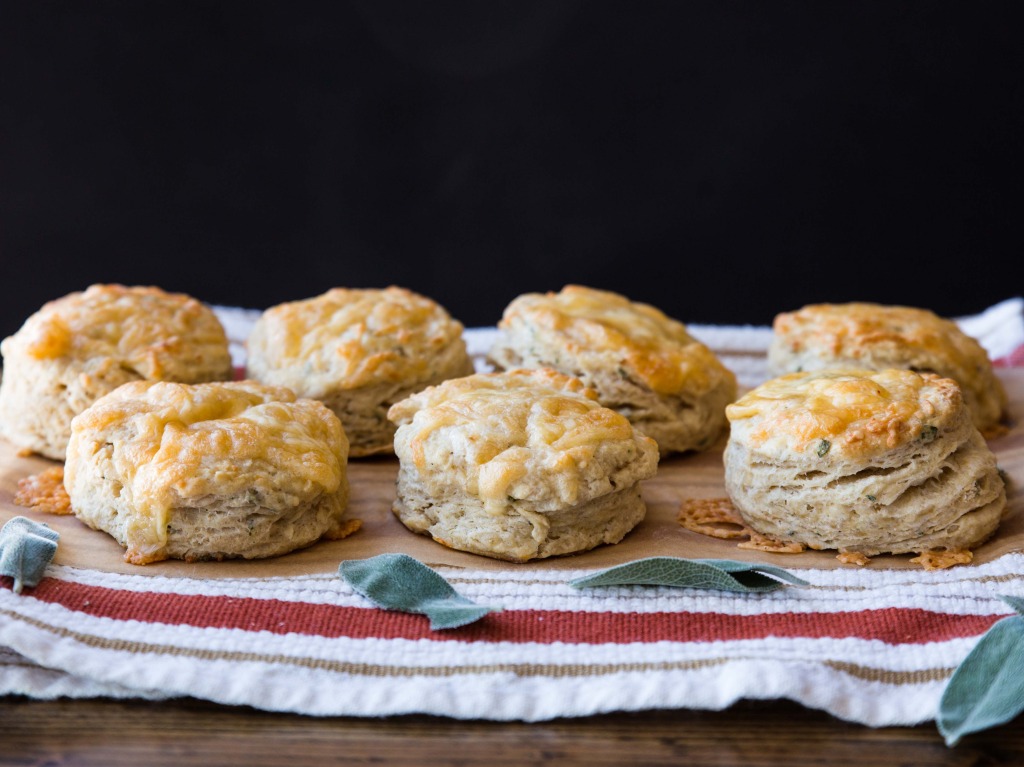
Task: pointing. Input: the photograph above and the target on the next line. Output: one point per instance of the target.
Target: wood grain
(373, 486)
(190, 733)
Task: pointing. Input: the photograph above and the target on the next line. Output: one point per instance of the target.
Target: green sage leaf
(399, 582)
(1017, 603)
(26, 548)
(987, 688)
(722, 574)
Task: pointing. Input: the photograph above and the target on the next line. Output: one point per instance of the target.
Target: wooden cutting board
(373, 489)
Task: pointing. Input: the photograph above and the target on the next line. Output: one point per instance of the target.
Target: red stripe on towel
(1014, 359)
(892, 625)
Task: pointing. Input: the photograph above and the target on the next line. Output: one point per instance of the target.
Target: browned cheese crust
(518, 465)
(207, 471)
(358, 351)
(80, 347)
(642, 363)
(862, 461)
(876, 337)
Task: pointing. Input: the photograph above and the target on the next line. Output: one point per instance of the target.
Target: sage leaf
(987, 688)
(26, 548)
(722, 574)
(1017, 603)
(399, 582)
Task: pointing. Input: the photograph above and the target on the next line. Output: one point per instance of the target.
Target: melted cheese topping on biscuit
(653, 347)
(496, 429)
(357, 336)
(865, 330)
(843, 412)
(173, 442)
(157, 334)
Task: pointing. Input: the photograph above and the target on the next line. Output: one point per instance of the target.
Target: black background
(722, 160)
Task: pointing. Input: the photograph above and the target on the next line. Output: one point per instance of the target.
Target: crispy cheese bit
(940, 560)
(853, 558)
(714, 517)
(760, 542)
(346, 528)
(718, 518)
(44, 492)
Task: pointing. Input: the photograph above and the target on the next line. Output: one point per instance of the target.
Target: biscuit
(876, 337)
(358, 351)
(207, 471)
(862, 461)
(78, 348)
(642, 363)
(519, 465)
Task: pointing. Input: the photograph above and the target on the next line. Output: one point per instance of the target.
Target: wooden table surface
(188, 732)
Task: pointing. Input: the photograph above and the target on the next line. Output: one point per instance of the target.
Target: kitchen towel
(871, 645)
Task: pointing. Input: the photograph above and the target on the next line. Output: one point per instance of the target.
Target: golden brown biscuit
(872, 336)
(207, 471)
(77, 348)
(642, 363)
(519, 465)
(862, 461)
(358, 351)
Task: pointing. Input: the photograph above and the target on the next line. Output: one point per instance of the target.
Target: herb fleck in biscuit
(358, 351)
(876, 337)
(207, 471)
(518, 466)
(77, 348)
(862, 461)
(642, 363)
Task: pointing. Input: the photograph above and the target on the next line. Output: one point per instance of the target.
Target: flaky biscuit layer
(155, 452)
(523, 445)
(862, 461)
